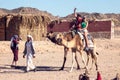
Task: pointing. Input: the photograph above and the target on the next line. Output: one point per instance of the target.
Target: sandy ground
(49, 59)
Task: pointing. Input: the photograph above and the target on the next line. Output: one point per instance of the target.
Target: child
(29, 53)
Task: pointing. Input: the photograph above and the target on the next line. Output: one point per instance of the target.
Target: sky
(64, 7)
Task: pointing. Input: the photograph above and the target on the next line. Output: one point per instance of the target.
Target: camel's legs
(65, 55)
(94, 59)
(73, 61)
(92, 63)
(83, 60)
(88, 58)
(78, 66)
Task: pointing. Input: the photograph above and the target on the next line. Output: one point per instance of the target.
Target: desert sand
(49, 59)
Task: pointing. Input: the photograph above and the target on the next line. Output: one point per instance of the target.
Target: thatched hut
(23, 24)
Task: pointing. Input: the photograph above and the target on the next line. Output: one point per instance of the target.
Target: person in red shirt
(77, 23)
(80, 27)
(14, 48)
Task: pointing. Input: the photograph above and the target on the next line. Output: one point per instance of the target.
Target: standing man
(14, 48)
(29, 53)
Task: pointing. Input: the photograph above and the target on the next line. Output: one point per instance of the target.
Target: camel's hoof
(96, 69)
(78, 68)
(84, 68)
(61, 69)
(87, 72)
(70, 71)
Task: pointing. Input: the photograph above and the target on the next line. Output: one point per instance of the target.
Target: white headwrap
(30, 37)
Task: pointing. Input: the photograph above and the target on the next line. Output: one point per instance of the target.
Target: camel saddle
(89, 37)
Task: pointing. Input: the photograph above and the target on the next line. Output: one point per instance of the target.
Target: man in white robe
(29, 53)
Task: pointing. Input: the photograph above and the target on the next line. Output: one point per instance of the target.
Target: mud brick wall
(99, 26)
(101, 29)
(98, 29)
(59, 27)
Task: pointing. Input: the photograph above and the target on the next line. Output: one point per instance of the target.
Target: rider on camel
(81, 26)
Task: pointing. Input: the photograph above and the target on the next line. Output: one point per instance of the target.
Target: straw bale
(22, 25)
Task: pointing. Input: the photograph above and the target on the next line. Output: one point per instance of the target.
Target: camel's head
(59, 38)
(51, 36)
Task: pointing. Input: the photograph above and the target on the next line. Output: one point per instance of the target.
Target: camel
(75, 44)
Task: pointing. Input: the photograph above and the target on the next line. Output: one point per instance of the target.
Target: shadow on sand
(21, 69)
